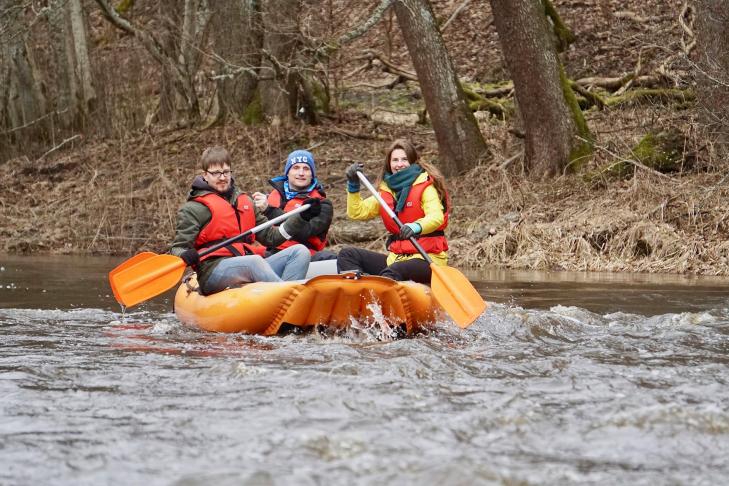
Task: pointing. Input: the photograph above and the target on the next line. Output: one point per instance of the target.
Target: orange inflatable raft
(324, 300)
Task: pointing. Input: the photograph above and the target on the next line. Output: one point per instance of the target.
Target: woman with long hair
(415, 190)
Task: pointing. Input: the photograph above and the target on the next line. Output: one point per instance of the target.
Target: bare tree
(76, 94)
(460, 142)
(178, 52)
(281, 39)
(22, 102)
(237, 38)
(712, 21)
(554, 126)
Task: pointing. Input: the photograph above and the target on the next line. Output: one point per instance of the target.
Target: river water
(565, 379)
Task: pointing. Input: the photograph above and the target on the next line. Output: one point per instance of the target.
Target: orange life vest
(228, 221)
(434, 242)
(314, 243)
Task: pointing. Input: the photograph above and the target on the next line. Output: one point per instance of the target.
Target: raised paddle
(147, 275)
(451, 289)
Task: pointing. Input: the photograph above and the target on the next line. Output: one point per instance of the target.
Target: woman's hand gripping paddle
(451, 289)
(147, 274)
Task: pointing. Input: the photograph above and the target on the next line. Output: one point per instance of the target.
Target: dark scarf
(401, 183)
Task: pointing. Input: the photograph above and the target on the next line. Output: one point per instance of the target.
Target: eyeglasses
(220, 173)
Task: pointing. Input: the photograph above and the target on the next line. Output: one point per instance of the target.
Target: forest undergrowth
(119, 195)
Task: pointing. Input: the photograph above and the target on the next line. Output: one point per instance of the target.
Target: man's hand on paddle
(314, 208)
(190, 257)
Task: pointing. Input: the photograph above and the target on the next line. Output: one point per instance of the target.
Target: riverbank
(120, 197)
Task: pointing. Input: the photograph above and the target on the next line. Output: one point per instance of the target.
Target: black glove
(314, 208)
(407, 232)
(352, 172)
(190, 257)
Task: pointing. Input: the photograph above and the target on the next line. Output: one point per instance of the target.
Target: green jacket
(193, 216)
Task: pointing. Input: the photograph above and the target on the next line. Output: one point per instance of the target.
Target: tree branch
(454, 14)
(149, 42)
(375, 17)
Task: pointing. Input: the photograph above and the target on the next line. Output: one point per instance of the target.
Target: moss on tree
(583, 147)
(124, 6)
(564, 36)
(253, 113)
(661, 151)
(476, 102)
(667, 95)
(321, 96)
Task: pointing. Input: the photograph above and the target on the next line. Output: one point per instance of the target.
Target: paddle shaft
(392, 214)
(147, 275)
(255, 229)
(451, 289)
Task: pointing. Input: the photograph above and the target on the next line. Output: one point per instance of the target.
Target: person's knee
(390, 272)
(301, 252)
(348, 252)
(322, 255)
(256, 260)
(348, 259)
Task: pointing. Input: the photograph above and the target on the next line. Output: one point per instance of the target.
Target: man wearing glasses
(216, 210)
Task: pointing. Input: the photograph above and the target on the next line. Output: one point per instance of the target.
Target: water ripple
(524, 396)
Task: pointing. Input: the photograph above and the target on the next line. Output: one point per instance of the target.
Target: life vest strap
(390, 239)
(232, 249)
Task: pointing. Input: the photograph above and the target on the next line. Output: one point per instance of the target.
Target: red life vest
(434, 242)
(313, 243)
(227, 221)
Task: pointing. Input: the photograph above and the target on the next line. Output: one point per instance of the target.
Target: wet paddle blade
(456, 295)
(129, 262)
(146, 279)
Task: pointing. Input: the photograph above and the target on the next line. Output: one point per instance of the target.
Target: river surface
(566, 379)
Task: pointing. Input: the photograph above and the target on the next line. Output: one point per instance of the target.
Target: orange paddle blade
(130, 262)
(456, 295)
(147, 278)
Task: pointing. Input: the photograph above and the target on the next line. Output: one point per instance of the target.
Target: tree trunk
(552, 119)
(237, 42)
(76, 95)
(278, 87)
(460, 142)
(22, 103)
(82, 67)
(182, 39)
(713, 74)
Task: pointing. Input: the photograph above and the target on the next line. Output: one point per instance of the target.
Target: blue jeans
(289, 264)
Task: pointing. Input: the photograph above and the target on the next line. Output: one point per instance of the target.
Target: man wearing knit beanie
(298, 185)
(300, 157)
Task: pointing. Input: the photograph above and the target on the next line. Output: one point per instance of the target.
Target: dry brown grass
(645, 224)
(121, 197)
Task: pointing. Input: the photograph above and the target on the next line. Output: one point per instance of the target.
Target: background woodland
(585, 135)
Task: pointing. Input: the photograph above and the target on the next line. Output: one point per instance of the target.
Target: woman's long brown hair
(414, 158)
